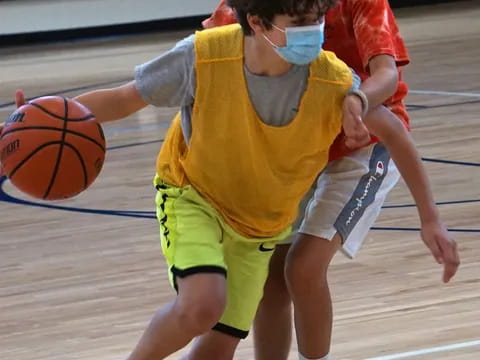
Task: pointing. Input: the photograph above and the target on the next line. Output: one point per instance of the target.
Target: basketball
(52, 148)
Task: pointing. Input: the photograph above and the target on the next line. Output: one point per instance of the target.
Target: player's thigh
(190, 235)
(247, 270)
(349, 196)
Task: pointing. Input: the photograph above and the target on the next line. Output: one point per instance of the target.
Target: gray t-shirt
(170, 81)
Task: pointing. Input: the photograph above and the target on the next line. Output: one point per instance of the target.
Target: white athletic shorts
(347, 197)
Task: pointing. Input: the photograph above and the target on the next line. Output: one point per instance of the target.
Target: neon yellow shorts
(195, 238)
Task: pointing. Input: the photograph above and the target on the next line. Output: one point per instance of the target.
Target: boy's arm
(113, 104)
(381, 85)
(385, 125)
(165, 81)
(383, 80)
(355, 106)
(105, 105)
(380, 46)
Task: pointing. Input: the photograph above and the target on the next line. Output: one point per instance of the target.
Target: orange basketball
(52, 148)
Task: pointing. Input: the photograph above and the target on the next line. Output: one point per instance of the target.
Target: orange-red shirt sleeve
(377, 32)
(222, 15)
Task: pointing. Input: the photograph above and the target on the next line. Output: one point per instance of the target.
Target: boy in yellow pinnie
(260, 106)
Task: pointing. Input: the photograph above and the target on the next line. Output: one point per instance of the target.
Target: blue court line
(418, 229)
(127, 213)
(75, 89)
(452, 162)
(438, 203)
(135, 144)
(147, 214)
(151, 214)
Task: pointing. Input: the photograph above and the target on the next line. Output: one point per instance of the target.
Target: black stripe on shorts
(229, 330)
(195, 270)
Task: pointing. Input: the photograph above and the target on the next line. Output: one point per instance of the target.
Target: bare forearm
(383, 80)
(433, 231)
(409, 163)
(380, 86)
(403, 151)
(102, 104)
(112, 104)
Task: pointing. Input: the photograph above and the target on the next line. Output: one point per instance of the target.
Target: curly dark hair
(267, 9)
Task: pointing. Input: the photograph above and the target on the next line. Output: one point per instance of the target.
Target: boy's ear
(256, 24)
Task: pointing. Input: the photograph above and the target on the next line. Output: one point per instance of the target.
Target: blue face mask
(304, 43)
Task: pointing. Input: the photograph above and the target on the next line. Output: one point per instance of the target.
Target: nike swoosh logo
(262, 248)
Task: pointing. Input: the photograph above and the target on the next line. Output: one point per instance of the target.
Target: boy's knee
(307, 262)
(201, 314)
(201, 302)
(302, 272)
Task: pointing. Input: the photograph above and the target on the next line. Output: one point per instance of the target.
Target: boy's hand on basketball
(443, 248)
(19, 101)
(19, 98)
(356, 133)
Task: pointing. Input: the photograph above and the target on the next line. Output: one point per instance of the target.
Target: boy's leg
(198, 307)
(273, 322)
(306, 272)
(191, 240)
(349, 196)
(213, 345)
(247, 264)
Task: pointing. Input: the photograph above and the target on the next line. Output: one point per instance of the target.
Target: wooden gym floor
(81, 280)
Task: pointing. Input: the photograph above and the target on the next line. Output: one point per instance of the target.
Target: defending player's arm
(373, 91)
(382, 123)
(383, 80)
(380, 48)
(355, 107)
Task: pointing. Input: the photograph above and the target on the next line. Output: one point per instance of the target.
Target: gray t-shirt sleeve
(169, 80)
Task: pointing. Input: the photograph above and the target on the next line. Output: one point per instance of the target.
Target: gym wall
(23, 21)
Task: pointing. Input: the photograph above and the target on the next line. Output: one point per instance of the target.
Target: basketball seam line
(34, 152)
(82, 162)
(60, 150)
(88, 117)
(29, 156)
(56, 129)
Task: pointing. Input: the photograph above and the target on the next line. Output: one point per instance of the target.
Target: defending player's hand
(356, 133)
(443, 248)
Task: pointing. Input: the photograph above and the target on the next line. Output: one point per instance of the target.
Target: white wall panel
(25, 16)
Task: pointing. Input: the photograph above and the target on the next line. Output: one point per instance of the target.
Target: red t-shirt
(356, 31)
